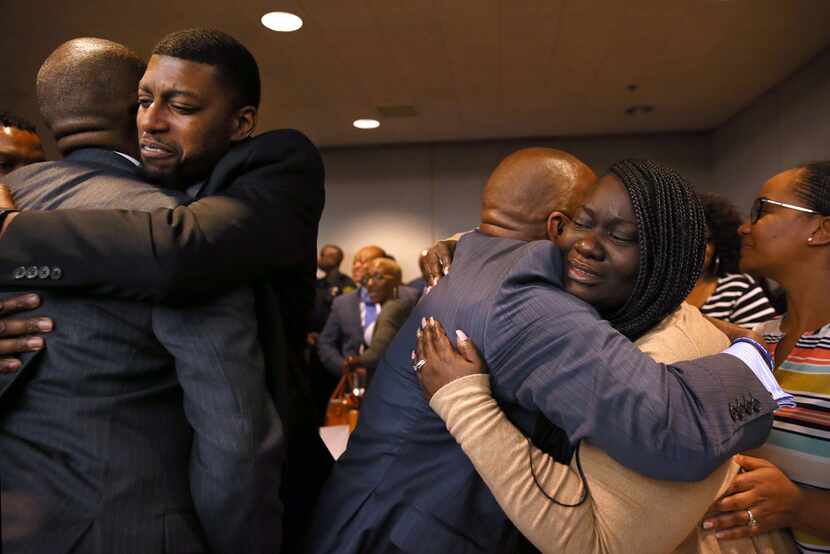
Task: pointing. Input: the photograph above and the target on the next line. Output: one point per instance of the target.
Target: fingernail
(44, 324)
(31, 299)
(446, 270)
(708, 524)
(434, 281)
(412, 355)
(418, 333)
(426, 290)
(432, 321)
(460, 334)
(720, 535)
(35, 343)
(423, 322)
(11, 364)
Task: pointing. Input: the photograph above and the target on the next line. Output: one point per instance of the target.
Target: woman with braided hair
(633, 250)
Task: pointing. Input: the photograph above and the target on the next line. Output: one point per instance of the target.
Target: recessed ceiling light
(366, 123)
(283, 22)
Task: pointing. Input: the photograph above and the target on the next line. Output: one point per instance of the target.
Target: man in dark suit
(344, 332)
(404, 484)
(141, 428)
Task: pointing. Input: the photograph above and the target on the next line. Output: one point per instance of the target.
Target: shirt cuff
(749, 352)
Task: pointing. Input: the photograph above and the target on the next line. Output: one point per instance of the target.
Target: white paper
(335, 437)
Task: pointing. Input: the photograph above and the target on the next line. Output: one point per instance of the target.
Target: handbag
(344, 405)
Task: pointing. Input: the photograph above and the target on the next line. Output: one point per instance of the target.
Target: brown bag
(343, 406)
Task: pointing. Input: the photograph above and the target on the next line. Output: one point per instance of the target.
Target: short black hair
(8, 119)
(812, 186)
(235, 63)
(722, 220)
(671, 233)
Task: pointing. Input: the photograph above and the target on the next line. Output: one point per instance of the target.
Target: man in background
(19, 143)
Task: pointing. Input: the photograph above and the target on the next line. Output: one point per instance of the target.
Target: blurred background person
(19, 143)
(722, 291)
(331, 283)
(786, 482)
(383, 284)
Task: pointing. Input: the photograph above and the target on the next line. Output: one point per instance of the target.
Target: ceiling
(472, 69)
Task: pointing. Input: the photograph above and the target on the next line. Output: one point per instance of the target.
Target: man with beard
(198, 103)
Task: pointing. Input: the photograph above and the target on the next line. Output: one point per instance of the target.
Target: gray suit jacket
(404, 484)
(139, 428)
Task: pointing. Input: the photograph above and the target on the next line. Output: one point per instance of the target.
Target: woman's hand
(436, 361)
(764, 490)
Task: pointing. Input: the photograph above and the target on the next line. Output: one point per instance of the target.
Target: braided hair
(723, 220)
(672, 239)
(813, 186)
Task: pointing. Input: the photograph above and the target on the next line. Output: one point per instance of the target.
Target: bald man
(405, 485)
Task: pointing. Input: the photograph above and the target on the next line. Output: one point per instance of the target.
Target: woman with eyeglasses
(787, 481)
(633, 251)
(722, 291)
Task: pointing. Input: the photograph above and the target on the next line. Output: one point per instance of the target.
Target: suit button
(57, 273)
(19, 272)
(31, 272)
(43, 272)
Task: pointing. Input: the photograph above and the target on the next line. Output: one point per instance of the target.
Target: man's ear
(556, 224)
(821, 236)
(244, 122)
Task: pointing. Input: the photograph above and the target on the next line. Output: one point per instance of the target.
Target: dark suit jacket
(136, 418)
(405, 485)
(343, 333)
(259, 226)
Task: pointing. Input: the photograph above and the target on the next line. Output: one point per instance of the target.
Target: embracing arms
(262, 218)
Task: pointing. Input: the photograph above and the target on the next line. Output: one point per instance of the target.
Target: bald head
(361, 261)
(527, 186)
(87, 93)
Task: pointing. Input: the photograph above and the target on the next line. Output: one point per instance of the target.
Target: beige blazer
(625, 511)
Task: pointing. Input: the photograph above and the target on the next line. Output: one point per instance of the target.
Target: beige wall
(786, 126)
(404, 198)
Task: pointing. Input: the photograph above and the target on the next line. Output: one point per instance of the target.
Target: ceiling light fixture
(283, 22)
(366, 123)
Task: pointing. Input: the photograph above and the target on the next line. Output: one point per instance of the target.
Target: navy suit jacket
(137, 422)
(404, 484)
(343, 333)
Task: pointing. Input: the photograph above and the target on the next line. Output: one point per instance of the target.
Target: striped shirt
(799, 443)
(739, 299)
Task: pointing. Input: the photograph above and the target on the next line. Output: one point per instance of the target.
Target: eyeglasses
(758, 208)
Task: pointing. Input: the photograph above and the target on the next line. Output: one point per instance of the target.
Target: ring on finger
(419, 365)
(751, 521)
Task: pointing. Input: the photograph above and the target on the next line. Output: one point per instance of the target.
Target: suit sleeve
(328, 344)
(238, 446)
(389, 322)
(264, 221)
(665, 421)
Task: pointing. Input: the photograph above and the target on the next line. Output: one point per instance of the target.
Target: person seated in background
(722, 291)
(637, 242)
(787, 481)
(383, 284)
(19, 143)
(352, 314)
